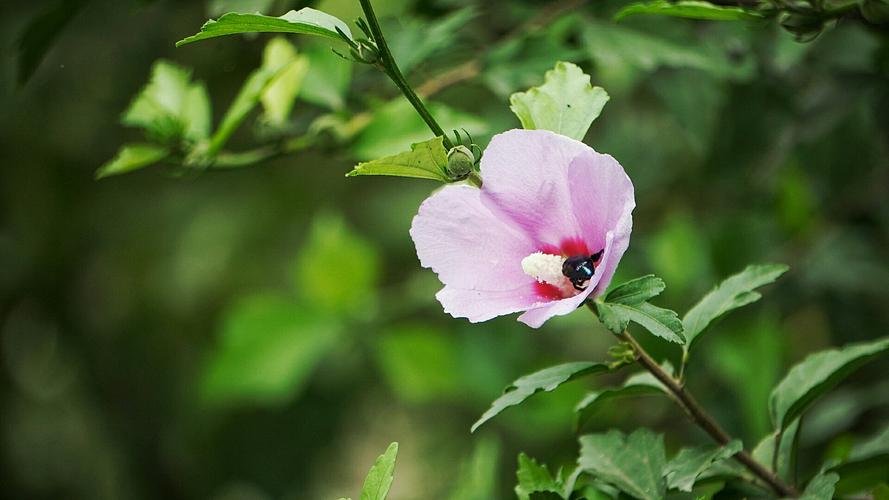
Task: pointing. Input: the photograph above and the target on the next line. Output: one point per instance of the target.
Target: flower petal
(469, 247)
(536, 316)
(482, 305)
(525, 175)
(603, 201)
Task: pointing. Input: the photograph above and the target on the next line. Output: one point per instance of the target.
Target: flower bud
(460, 162)
(805, 27)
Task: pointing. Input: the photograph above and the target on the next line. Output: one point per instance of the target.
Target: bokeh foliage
(265, 332)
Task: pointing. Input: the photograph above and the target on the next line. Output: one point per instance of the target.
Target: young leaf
(132, 157)
(170, 105)
(277, 99)
(634, 464)
(566, 103)
(247, 99)
(380, 476)
(534, 478)
(544, 380)
(197, 113)
(425, 160)
(660, 322)
(821, 487)
(692, 9)
(736, 291)
(640, 384)
(266, 350)
(306, 21)
(816, 375)
(636, 291)
(685, 468)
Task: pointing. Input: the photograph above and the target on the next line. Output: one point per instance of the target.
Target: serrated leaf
(640, 384)
(544, 380)
(566, 103)
(305, 21)
(425, 160)
(785, 461)
(684, 469)
(381, 475)
(821, 487)
(132, 157)
(691, 9)
(636, 291)
(816, 375)
(170, 105)
(734, 292)
(634, 464)
(278, 97)
(267, 348)
(534, 478)
(660, 322)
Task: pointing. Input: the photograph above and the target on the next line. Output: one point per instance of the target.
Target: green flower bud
(460, 162)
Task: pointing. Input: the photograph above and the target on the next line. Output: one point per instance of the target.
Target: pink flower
(547, 202)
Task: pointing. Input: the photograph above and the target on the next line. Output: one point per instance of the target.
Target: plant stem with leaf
(703, 420)
(388, 65)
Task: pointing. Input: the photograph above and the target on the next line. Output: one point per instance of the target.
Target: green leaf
(420, 363)
(380, 476)
(821, 487)
(691, 9)
(220, 7)
(478, 476)
(566, 103)
(425, 160)
(534, 478)
(418, 39)
(636, 291)
(306, 21)
(247, 99)
(40, 34)
(396, 123)
(764, 452)
(867, 464)
(660, 322)
(278, 97)
(337, 270)
(267, 348)
(327, 80)
(736, 291)
(132, 157)
(640, 384)
(685, 468)
(544, 380)
(816, 375)
(170, 105)
(634, 464)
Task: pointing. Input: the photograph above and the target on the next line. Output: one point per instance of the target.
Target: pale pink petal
(603, 201)
(536, 316)
(482, 305)
(525, 174)
(469, 247)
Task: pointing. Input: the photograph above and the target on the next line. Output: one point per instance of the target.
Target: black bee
(579, 269)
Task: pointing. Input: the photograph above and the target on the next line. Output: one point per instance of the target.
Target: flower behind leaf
(500, 249)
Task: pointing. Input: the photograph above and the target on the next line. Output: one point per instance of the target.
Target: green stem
(700, 417)
(391, 69)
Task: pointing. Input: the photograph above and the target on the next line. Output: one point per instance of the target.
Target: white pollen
(544, 267)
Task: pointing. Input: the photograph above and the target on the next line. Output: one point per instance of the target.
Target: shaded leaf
(636, 291)
(534, 478)
(684, 469)
(821, 487)
(420, 363)
(692, 9)
(566, 103)
(327, 79)
(734, 292)
(866, 466)
(640, 384)
(132, 157)
(634, 464)
(40, 33)
(306, 21)
(417, 40)
(381, 475)
(478, 476)
(267, 348)
(544, 380)
(247, 99)
(425, 160)
(764, 452)
(816, 375)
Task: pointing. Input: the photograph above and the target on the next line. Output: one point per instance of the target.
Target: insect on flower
(543, 234)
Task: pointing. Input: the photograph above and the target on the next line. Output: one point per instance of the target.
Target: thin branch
(700, 417)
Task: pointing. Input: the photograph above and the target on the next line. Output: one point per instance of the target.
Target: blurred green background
(265, 332)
